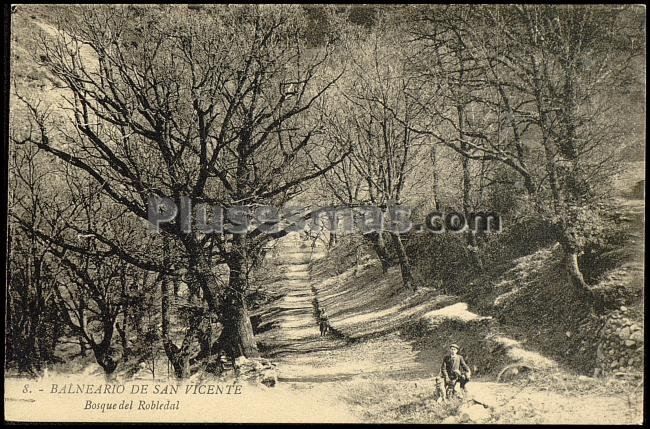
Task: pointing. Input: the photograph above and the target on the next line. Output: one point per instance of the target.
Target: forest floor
(379, 363)
(370, 368)
(369, 371)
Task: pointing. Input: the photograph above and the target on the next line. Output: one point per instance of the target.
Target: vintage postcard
(325, 213)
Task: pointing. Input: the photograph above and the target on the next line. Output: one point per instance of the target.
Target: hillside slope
(535, 303)
(388, 344)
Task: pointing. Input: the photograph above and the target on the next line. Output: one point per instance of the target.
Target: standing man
(323, 322)
(455, 370)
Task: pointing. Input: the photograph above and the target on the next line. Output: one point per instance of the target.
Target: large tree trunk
(379, 246)
(204, 277)
(571, 259)
(237, 337)
(404, 263)
(106, 361)
(577, 280)
(103, 354)
(180, 362)
(573, 272)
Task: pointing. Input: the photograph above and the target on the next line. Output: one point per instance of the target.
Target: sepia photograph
(324, 213)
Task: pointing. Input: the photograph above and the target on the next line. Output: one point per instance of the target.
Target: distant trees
(453, 76)
(374, 114)
(33, 325)
(70, 285)
(571, 58)
(536, 77)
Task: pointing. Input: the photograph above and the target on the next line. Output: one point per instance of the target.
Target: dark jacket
(452, 364)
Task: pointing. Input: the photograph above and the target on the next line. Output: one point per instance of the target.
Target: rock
(637, 337)
(623, 309)
(269, 378)
(624, 333)
(635, 327)
(481, 398)
(241, 361)
(474, 413)
(584, 378)
(630, 343)
(258, 370)
(450, 420)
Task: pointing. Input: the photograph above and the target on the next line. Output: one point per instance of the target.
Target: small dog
(440, 394)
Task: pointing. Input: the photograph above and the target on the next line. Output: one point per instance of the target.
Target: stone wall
(620, 349)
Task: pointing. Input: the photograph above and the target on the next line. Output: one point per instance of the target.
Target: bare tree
(31, 321)
(375, 114)
(93, 291)
(211, 104)
(452, 74)
(544, 73)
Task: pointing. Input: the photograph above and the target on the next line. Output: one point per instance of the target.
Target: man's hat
(454, 346)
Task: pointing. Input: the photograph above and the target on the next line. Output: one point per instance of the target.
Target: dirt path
(381, 379)
(302, 354)
(296, 329)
